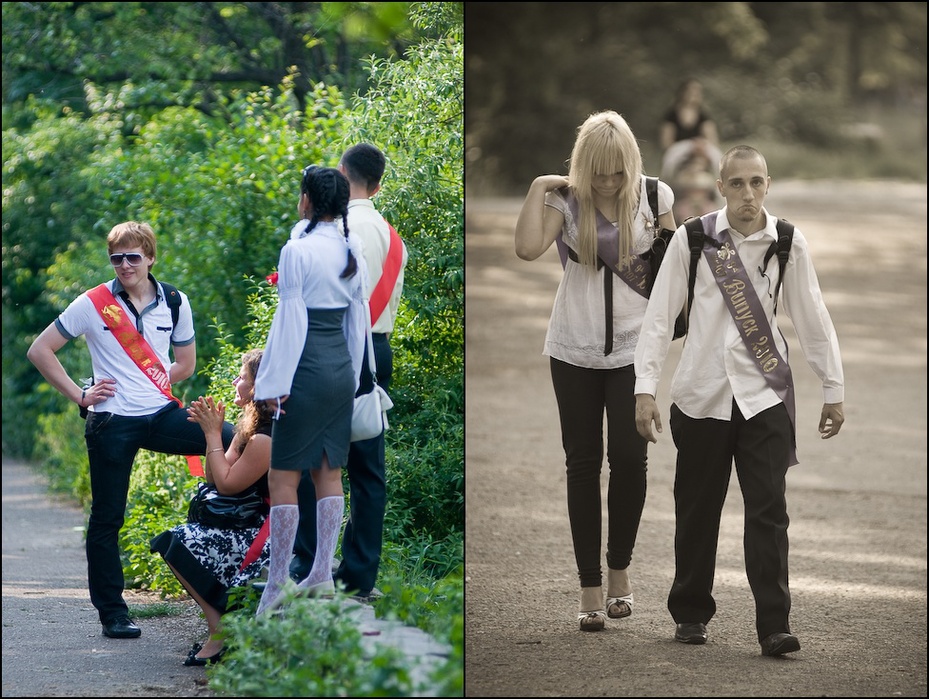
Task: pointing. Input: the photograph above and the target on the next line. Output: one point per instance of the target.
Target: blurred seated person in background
(690, 152)
(687, 119)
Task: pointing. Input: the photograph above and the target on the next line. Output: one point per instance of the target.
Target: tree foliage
(151, 55)
(795, 73)
(220, 188)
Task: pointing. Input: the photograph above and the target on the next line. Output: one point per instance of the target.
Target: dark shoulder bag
(210, 508)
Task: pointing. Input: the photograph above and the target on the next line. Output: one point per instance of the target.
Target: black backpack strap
(695, 241)
(785, 237)
(173, 299)
(651, 191)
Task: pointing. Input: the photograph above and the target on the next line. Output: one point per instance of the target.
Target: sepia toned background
(834, 95)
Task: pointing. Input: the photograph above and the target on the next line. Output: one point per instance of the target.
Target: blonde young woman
(601, 220)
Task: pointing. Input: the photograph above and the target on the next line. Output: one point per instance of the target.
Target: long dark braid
(328, 191)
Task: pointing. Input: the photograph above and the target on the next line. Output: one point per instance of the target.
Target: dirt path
(857, 502)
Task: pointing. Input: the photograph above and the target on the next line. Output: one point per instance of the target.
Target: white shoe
(619, 607)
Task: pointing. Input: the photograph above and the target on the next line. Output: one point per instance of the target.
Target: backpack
(173, 299)
(695, 240)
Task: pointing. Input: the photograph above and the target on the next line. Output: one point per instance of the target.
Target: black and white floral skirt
(209, 559)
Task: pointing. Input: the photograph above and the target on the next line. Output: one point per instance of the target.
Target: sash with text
(750, 320)
(139, 351)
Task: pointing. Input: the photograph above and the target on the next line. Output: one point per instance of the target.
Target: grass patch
(155, 609)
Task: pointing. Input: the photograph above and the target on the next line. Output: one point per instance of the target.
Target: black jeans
(583, 395)
(112, 444)
(362, 539)
(705, 452)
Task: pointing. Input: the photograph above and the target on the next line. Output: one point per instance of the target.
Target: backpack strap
(173, 299)
(695, 240)
(785, 237)
(651, 191)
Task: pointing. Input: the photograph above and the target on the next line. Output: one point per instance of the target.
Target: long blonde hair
(605, 144)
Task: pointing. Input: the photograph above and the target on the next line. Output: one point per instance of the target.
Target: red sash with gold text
(138, 349)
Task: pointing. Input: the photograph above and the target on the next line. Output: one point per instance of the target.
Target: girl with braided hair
(312, 365)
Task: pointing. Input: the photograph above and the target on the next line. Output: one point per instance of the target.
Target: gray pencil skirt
(318, 418)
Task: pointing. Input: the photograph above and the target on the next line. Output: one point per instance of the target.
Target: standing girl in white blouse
(310, 372)
(601, 220)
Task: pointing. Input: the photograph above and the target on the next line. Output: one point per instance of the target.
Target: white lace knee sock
(329, 513)
(283, 530)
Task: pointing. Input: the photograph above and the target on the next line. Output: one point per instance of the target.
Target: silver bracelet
(212, 450)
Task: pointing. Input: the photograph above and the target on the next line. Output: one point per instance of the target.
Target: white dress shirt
(366, 222)
(715, 365)
(135, 393)
(308, 277)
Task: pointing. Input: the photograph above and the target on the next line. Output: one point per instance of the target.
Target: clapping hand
(209, 414)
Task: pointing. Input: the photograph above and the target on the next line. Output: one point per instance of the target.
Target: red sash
(139, 351)
(385, 285)
(258, 543)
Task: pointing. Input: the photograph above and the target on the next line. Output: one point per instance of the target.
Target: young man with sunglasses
(129, 330)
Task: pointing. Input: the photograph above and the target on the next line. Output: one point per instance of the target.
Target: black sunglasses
(133, 258)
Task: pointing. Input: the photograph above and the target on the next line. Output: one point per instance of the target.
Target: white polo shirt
(136, 395)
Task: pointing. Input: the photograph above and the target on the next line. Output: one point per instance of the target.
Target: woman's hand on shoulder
(550, 182)
(538, 225)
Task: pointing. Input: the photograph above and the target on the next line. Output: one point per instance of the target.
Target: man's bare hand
(646, 412)
(831, 420)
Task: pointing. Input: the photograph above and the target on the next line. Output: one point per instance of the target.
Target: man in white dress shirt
(732, 395)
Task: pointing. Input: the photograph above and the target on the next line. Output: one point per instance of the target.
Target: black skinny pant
(582, 395)
(706, 449)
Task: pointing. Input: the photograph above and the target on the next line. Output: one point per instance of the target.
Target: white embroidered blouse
(576, 329)
(308, 277)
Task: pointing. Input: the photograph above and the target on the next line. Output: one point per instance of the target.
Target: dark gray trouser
(112, 444)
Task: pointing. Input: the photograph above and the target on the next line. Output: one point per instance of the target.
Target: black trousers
(706, 449)
(583, 395)
(112, 444)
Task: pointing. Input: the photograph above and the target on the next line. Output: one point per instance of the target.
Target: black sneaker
(121, 627)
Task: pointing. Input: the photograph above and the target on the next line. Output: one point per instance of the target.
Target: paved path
(52, 641)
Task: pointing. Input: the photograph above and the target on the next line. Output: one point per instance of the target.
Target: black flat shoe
(194, 661)
(779, 643)
(691, 633)
(121, 627)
